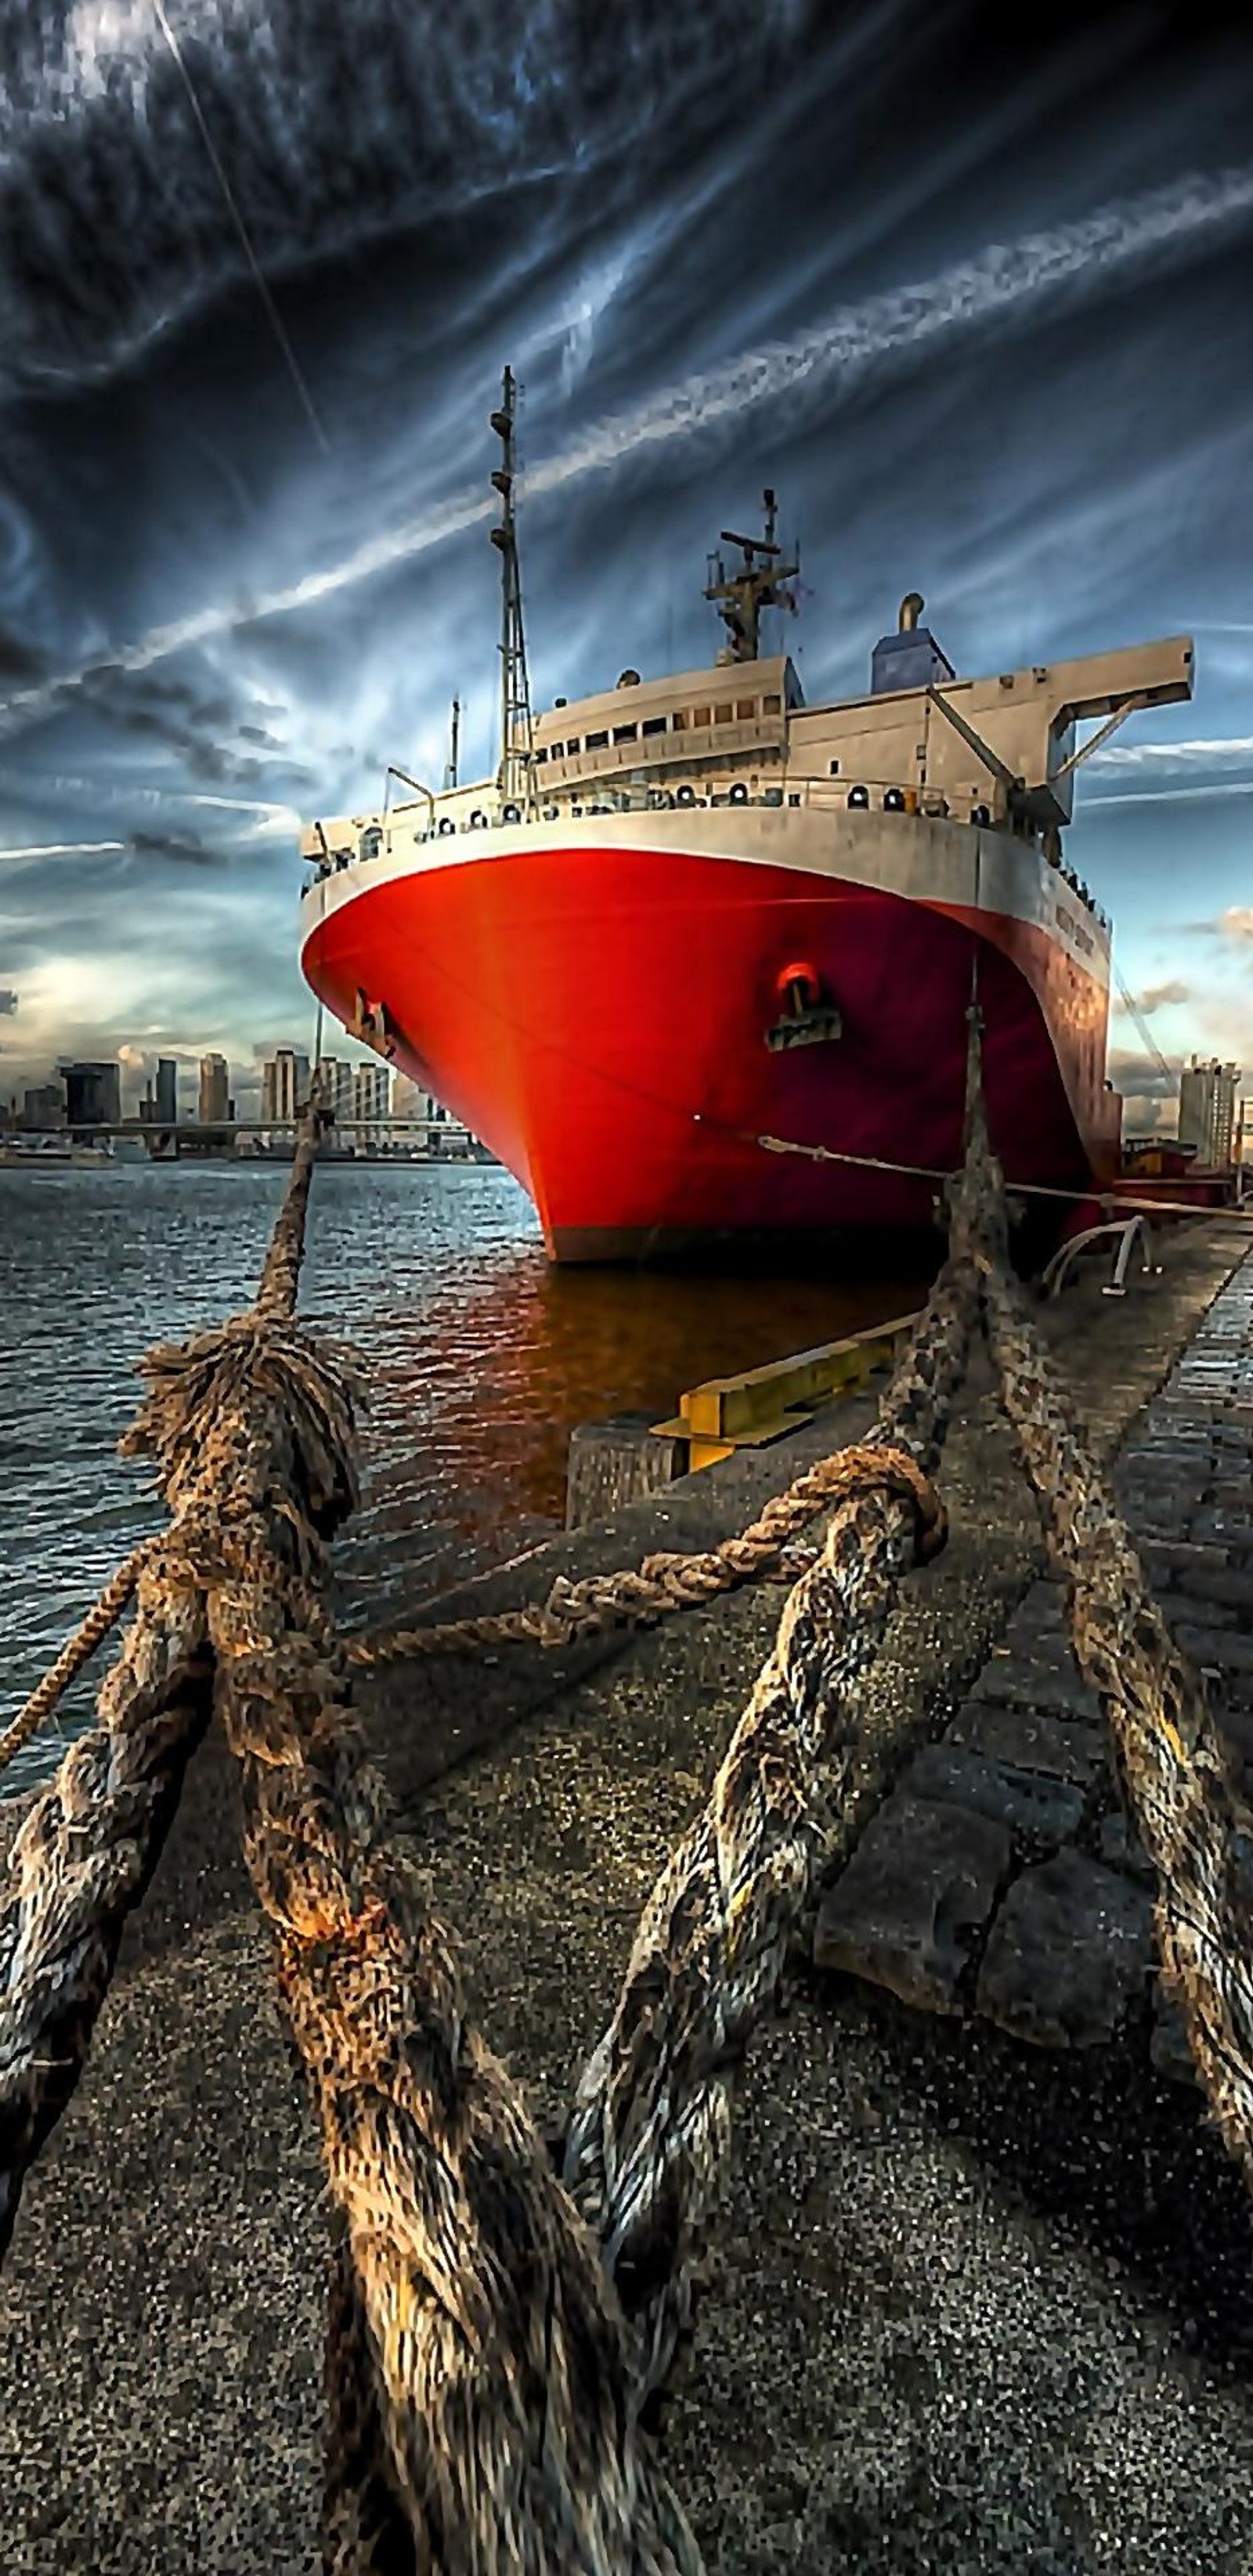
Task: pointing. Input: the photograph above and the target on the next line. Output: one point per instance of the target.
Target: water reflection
(479, 1359)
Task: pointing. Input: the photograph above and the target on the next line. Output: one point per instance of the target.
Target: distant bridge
(201, 1135)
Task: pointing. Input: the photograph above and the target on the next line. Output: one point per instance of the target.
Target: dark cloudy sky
(970, 286)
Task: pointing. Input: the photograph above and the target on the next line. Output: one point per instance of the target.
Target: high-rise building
(1207, 1110)
(284, 1087)
(167, 1091)
(336, 1080)
(215, 1091)
(372, 1091)
(44, 1106)
(93, 1094)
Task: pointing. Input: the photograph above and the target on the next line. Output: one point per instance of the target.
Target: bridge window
(679, 720)
(772, 706)
(725, 713)
(542, 753)
(572, 751)
(700, 716)
(653, 724)
(746, 709)
(597, 741)
(625, 733)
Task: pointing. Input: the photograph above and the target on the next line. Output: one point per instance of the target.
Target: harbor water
(479, 1358)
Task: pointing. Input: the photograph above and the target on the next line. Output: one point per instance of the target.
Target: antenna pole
(450, 772)
(516, 773)
(761, 582)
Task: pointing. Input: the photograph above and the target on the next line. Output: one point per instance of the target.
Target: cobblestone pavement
(1001, 1877)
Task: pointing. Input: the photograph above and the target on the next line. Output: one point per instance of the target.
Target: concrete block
(1030, 1806)
(1069, 1951)
(1063, 1748)
(1009, 1678)
(1220, 1584)
(1177, 1605)
(910, 1907)
(1213, 1646)
(617, 1461)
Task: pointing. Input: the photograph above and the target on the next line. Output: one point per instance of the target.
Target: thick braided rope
(664, 1583)
(280, 1275)
(1175, 1768)
(81, 1861)
(86, 1850)
(365, 2531)
(501, 2381)
(651, 2121)
(276, 1298)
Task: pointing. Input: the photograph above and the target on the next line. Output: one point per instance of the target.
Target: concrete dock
(982, 2298)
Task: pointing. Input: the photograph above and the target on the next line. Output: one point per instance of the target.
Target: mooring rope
(496, 2349)
(651, 2124)
(495, 2337)
(505, 2383)
(1176, 1770)
(662, 1584)
(82, 1859)
(85, 1852)
(106, 1610)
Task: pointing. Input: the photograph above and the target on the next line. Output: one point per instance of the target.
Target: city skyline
(245, 1085)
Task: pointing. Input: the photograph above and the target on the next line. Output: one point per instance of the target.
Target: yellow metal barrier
(760, 1405)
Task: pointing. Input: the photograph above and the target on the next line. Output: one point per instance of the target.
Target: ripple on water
(478, 1358)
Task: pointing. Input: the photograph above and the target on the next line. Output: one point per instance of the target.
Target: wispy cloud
(1000, 289)
(1114, 802)
(1204, 752)
(1156, 997)
(186, 848)
(65, 850)
(1141, 1076)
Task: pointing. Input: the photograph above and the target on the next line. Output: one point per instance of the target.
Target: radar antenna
(759, 582)
(515, 775)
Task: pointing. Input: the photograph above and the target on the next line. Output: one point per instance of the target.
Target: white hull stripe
(919, 857)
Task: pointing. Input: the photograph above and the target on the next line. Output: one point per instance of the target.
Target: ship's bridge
(684, 722)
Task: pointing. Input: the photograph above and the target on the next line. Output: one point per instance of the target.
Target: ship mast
(740, 596)
(450, 765)
(515, 776)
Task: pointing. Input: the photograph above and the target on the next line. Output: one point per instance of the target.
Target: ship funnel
(911, 610)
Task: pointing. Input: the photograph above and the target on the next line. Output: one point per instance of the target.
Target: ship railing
(847, 794)
(650, 797)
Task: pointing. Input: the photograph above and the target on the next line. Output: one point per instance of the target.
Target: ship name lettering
(1066, 921)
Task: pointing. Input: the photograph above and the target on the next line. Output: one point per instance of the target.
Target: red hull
(597, 1016)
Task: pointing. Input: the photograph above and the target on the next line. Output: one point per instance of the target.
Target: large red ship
(692, 921)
